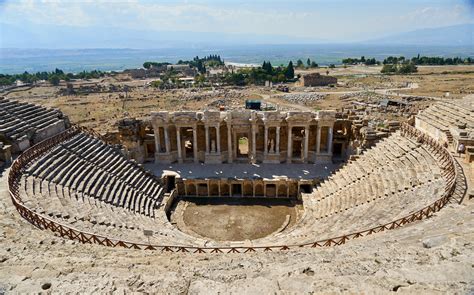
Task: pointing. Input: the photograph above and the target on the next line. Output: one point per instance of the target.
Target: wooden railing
(66, 231)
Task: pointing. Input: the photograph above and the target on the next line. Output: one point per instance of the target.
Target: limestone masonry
(214, 137)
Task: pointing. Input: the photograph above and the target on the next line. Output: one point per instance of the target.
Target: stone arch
(282, 190)
(225, 189)
(271, 190)
(259, 192)
(248, 189)
(191, 189)
(214, 189)
(202, 189)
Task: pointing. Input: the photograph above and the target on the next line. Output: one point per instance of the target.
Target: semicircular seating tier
(90, 186)
(394, 179)
(24, 124)
(450, 121)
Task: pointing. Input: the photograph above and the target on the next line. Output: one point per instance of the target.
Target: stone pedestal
(323, 158)
(272, 158)
(164, 158)
(213, 158)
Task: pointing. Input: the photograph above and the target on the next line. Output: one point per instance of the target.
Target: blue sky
(328, 20)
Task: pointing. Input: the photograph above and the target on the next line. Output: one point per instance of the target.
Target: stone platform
(244, 171)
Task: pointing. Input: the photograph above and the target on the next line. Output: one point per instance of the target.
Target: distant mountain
(459, 35)
(68, 37)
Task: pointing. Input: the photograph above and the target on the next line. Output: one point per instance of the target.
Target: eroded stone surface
(394, 260)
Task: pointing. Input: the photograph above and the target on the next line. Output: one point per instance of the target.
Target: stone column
(277, 144)
(318, 141)
(178, 143)
(265, 147)
(235, 140)
(229, 142)
(306, 143)
(157, 140)
(330, 140)
(195, 145)
(218, 139)
(254, 144)
(290, 145)
(167, 140)
(207, 139)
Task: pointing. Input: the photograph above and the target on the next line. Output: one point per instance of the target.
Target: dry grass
(102, 110)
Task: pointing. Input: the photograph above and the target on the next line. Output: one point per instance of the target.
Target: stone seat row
(118, 195)
(94, 176)
(374, 162)
(19, 118)
(400, 173)
(24, 111)
(455, 111)
(367, 215)
(443, 116)
(381, 210)
(97, 158)
(89, 215)
(108, 158)
(392, 186)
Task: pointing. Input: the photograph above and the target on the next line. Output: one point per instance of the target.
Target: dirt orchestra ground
(236, 219)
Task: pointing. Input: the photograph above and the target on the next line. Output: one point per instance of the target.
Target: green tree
(267, 67)
(54, 80)
(290, 71)
(200, 79)
(281, 78)
(157, 84)
(299, 63)
(308, 62)
(407, 68)
(388, 69)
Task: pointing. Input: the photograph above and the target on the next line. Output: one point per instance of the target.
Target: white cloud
(437, 16)
(305, 19)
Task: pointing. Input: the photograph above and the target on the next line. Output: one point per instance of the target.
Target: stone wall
(213, 137)
(316, 79)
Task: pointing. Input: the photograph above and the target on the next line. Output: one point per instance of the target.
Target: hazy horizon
(135, 24)
(76, 60)
(75, 35)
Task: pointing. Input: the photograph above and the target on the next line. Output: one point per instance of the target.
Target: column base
(163, 158)
(323, 158)
(214, 158)
(271, 158)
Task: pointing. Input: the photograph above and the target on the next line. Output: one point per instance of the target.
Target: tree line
(259, 75)
(417, 60)
(53, 77)
(212, 60)
(309, 64)
(149, 64)
(361, 60)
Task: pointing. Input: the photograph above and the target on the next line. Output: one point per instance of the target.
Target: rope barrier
(66, 231)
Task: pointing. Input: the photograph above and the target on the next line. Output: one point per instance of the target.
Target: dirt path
(278, 100)
(281, 102)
